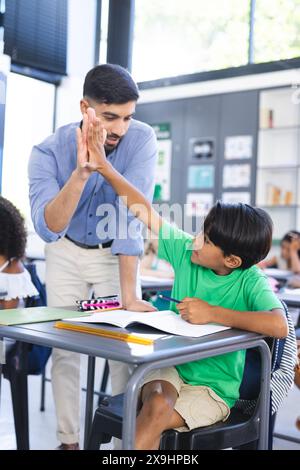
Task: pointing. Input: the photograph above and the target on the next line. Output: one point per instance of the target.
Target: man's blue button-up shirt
(51, 165)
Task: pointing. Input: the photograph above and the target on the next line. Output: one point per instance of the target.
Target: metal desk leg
(0, 383)
(130, 406)
(89, 399)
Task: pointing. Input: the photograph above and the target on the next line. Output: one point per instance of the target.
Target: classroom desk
(166, 351)
(152, 284)
(278, 274)
(292, 300)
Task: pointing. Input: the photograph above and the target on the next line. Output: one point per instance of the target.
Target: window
(276, 30)
(103, 34)
(35, 34)
(28, 120)
(174, 38)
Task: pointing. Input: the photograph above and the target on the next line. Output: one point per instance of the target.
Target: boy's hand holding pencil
(194, 310)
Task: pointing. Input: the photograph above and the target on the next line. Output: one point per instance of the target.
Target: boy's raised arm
(132, 198)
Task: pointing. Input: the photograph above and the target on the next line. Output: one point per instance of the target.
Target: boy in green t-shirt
(217, 281)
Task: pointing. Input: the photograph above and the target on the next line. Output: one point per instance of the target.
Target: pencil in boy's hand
(165, 297)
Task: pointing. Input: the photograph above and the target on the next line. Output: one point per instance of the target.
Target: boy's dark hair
(111, 84)
(12, 231)
(241, 230)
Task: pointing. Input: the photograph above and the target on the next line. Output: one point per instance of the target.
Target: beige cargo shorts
(198, 405)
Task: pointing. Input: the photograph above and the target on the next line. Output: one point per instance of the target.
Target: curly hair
(12, 231)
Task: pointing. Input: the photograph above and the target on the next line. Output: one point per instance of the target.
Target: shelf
(278, 128)
(279, 206)
(277, 167)
(278, 161)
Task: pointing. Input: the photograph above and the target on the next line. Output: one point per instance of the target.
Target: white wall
(81, 48)
(28, 120)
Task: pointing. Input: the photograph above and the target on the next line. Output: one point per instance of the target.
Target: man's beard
(111, 148)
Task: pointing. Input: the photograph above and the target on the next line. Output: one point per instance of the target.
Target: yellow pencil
(127, 337)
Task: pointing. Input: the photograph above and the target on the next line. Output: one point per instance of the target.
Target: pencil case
(111, 302)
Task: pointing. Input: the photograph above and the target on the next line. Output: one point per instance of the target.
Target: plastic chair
(23, 359)
(16, 372)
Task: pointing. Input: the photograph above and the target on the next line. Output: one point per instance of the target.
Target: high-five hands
(90, 145)
(195, 310)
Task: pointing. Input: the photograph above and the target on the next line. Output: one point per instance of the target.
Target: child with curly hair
(15, 281)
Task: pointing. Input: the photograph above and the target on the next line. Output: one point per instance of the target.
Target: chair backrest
(38, 355)
(283, 364)
(41, 299)
(284, 356)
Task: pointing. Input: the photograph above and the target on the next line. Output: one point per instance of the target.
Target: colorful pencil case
(111, 302)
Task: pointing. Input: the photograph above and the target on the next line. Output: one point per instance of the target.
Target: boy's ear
(232, 261)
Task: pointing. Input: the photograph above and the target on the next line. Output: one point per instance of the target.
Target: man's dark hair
(111, 84)
(12, 231)
(241, 230)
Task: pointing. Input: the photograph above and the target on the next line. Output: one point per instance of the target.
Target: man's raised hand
(90, 145)
(82, 150)
(96, 137)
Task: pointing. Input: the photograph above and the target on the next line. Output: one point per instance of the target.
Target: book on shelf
(266, 118)
(277, 196)
(163, 320)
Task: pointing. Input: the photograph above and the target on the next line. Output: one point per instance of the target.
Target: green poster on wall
(163, 167)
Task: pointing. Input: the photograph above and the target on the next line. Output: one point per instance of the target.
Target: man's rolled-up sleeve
(43, 187)
(140, 173)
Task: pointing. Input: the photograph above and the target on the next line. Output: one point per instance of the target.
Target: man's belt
(90, 247)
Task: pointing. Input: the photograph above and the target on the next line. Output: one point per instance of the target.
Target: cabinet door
(201, 147)
(202, 130)
(238, 117)
(172, 113)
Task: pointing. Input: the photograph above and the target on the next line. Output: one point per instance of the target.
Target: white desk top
(280, 274)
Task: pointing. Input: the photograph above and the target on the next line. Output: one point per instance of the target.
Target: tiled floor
(42, 425)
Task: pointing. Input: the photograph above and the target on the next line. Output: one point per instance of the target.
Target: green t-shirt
(242, 290)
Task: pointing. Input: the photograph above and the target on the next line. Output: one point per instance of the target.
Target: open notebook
(164, 320)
